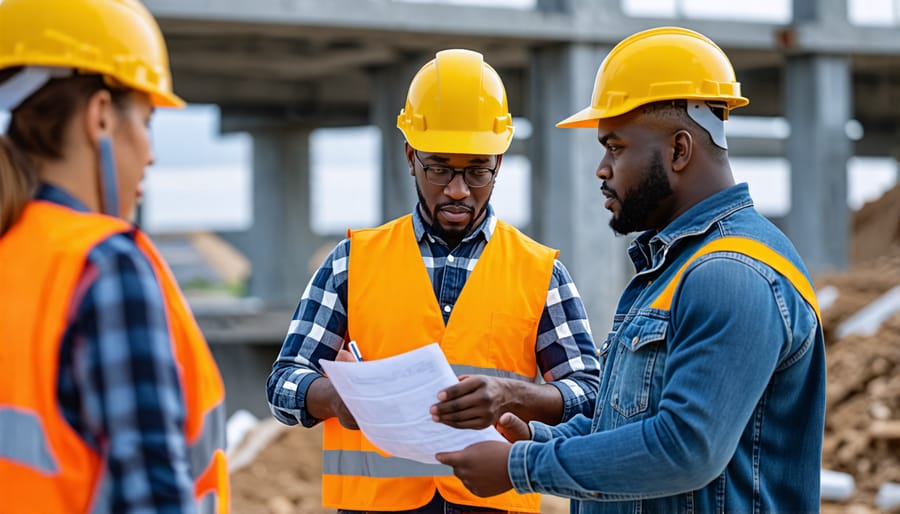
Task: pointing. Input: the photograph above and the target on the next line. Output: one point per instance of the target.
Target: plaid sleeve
(565, 348)
(119, 384)
(317, 331)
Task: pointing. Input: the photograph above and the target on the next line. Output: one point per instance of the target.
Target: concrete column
(817, 97)
(281, 241)
(566, 199)
(818, 105)
(389, 87)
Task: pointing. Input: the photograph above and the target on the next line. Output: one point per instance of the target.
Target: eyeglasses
(441, 175)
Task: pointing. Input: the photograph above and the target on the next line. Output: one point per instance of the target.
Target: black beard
(451, 237)
(642, 199)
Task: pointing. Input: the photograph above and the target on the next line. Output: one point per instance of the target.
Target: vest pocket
(638, 346)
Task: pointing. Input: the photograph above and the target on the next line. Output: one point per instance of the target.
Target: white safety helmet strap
(701, 112)
(21, 85)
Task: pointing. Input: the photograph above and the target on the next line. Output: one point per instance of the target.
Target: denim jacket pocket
(639, 344)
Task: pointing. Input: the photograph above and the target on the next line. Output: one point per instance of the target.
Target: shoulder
(511, 233)
(116, 250)
(117, 271)
(402, 223)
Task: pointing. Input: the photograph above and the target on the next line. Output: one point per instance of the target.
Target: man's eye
(478, 172)
(438, 170)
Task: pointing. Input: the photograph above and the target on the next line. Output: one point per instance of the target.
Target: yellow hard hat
(118, 39)
(665, 63)
(457, 104)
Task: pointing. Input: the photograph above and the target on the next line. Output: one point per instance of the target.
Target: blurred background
(290, 139)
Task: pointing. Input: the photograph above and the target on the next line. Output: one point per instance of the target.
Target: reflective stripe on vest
(23, 440)
(754, 250)
(371, 464)
(461, 369)
(208, 504)
(201, 452)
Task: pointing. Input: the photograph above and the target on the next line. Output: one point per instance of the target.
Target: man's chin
(454, 231)
(622, 229)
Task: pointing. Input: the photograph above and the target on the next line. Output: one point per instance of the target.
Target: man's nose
(603, 170)
(457, 188)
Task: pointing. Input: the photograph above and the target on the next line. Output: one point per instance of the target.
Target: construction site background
(278, 468)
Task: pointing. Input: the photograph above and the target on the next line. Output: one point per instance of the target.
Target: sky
(202, 179)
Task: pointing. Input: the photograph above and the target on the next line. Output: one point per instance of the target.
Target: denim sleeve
(565, 349)
(723, 350)
(316, 332)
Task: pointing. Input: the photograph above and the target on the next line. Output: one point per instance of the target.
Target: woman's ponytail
(17, 183)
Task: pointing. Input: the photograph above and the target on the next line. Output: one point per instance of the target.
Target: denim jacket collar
(423, 229)
(648, 249)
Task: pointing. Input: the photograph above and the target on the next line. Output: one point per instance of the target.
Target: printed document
(390, 399)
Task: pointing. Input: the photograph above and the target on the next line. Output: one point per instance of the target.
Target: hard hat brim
(171, 101)
(475, 143)
(585, 118)
(589, 116)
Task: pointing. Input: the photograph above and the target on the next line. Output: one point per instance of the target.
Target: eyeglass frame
(456, 171)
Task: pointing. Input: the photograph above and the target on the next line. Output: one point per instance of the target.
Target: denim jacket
(715, 405)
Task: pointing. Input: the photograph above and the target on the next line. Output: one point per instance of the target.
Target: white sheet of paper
(390, 399)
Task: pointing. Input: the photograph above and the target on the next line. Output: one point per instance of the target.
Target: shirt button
(430, 239)
(450, 258)
(446, 308)
(634, 340)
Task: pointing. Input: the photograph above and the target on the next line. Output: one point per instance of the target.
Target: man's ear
(682, 149)
(409, 158)
(98, 116)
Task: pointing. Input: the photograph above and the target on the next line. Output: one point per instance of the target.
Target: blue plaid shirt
(118, 383)
(564, 349)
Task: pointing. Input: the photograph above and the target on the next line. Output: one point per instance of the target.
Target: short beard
(643, 199)
(451, 237)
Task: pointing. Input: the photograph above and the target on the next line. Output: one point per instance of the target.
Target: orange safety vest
(44, 465)
(392, 309)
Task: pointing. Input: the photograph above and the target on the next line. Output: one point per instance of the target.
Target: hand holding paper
(390, 400)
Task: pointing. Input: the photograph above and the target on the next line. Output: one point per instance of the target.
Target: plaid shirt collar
(485, 229)
(59, 196)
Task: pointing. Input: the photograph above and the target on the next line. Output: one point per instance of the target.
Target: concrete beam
(359, 16)
(280, 66)
(250, 119)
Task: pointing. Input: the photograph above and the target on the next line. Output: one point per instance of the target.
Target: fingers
(477, 422)
(513, 428)
(466, 385)
(452, 459)
(345, 356)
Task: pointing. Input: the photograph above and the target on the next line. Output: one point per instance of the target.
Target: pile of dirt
(284, 478)
(862, 425)
(862, 433)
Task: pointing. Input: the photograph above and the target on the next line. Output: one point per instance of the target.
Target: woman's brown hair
(36, 131)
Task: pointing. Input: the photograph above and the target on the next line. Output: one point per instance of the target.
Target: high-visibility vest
(45, 466)
(391, 309)
(753, 249)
